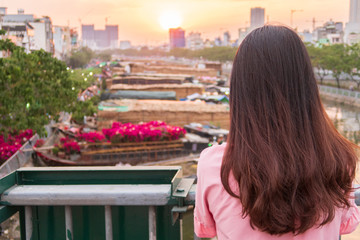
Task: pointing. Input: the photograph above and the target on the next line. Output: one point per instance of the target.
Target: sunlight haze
(139, 22)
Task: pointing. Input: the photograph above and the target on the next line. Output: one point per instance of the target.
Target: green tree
(213, 54)
(222, 54)
(34, 88)
(80, 58)
(80, 109)
(335, 59)
(352, 67)
(317, 56)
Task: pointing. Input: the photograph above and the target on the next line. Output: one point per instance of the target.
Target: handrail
(30, 190)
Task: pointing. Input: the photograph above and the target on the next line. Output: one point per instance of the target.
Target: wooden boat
(109, 154)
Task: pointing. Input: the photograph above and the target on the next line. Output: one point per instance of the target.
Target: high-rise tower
(177, 37)
(354, 11)
(353, 26)
(257, 17)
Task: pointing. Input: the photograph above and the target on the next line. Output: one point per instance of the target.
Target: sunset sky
(138, 20)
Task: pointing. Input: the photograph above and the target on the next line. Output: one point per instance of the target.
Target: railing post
(28, 222)
(108, 223)
(68, 223)
(152, 223)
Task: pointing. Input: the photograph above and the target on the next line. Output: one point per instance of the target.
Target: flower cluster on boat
(149, 131)
(12, 142)
(118, 133)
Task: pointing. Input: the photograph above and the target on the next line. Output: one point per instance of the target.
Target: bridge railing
(97, 203)
(100, 203)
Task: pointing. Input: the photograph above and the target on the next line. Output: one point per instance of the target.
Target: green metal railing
(97, 203)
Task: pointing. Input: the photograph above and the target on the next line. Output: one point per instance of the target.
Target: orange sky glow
(138, 20)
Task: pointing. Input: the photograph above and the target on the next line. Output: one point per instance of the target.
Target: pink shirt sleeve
(350, 218)
(204, 225)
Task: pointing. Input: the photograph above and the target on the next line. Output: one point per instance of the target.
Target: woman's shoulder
(211, 158)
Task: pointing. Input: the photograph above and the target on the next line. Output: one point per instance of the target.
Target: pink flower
(71, 147)
(91, 137)
(39, 143)
(150, 131)
(13, 142)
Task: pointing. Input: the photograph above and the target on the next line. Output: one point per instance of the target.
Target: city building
(217, 42)
(74, 35)
(353, 38)
(353, 26)
(257, 18)
(19, 33)
(41, 36)
(19, 17)
(100, 39)
(330, 33)
(177, 37)
(112, 35)
(226, 39)
(194, 41)
(306, 36)
(65, 39)
(242, 34)
(208, 44)
(125, 45)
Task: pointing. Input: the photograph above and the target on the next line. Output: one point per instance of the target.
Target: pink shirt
(218, 214)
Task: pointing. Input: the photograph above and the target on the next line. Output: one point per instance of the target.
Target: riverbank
(344, 96)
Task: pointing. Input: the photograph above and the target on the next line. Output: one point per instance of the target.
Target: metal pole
(28, 223)
(68, 223)
(108, 223)
(152, 223)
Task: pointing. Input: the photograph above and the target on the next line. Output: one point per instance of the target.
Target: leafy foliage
(339, 59)
(80, 109)
(34, 88)
(352, 67)
(80, 58)
(214, 54)
(104, 56)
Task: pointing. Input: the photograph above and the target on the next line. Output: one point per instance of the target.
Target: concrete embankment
(340, 95)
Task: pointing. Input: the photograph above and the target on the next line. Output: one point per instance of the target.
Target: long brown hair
(292, 167)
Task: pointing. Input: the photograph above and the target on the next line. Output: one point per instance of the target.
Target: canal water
(345, 118)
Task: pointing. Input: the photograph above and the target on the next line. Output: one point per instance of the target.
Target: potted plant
(72, 149)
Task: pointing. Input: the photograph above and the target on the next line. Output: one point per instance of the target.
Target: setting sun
(170, 20)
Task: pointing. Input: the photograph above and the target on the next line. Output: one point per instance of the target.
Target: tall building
(352, 29)
(330, 33)
(177, 37)
(112, 32)
(242, 34)
(65, 39)
(100, 39)
(41, 36)
(257, 17)
(125, 45)
(226, 40)
(354, 11)
(217, 42)
(194, 41)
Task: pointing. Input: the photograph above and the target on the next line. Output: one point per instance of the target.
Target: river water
(345, 118)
